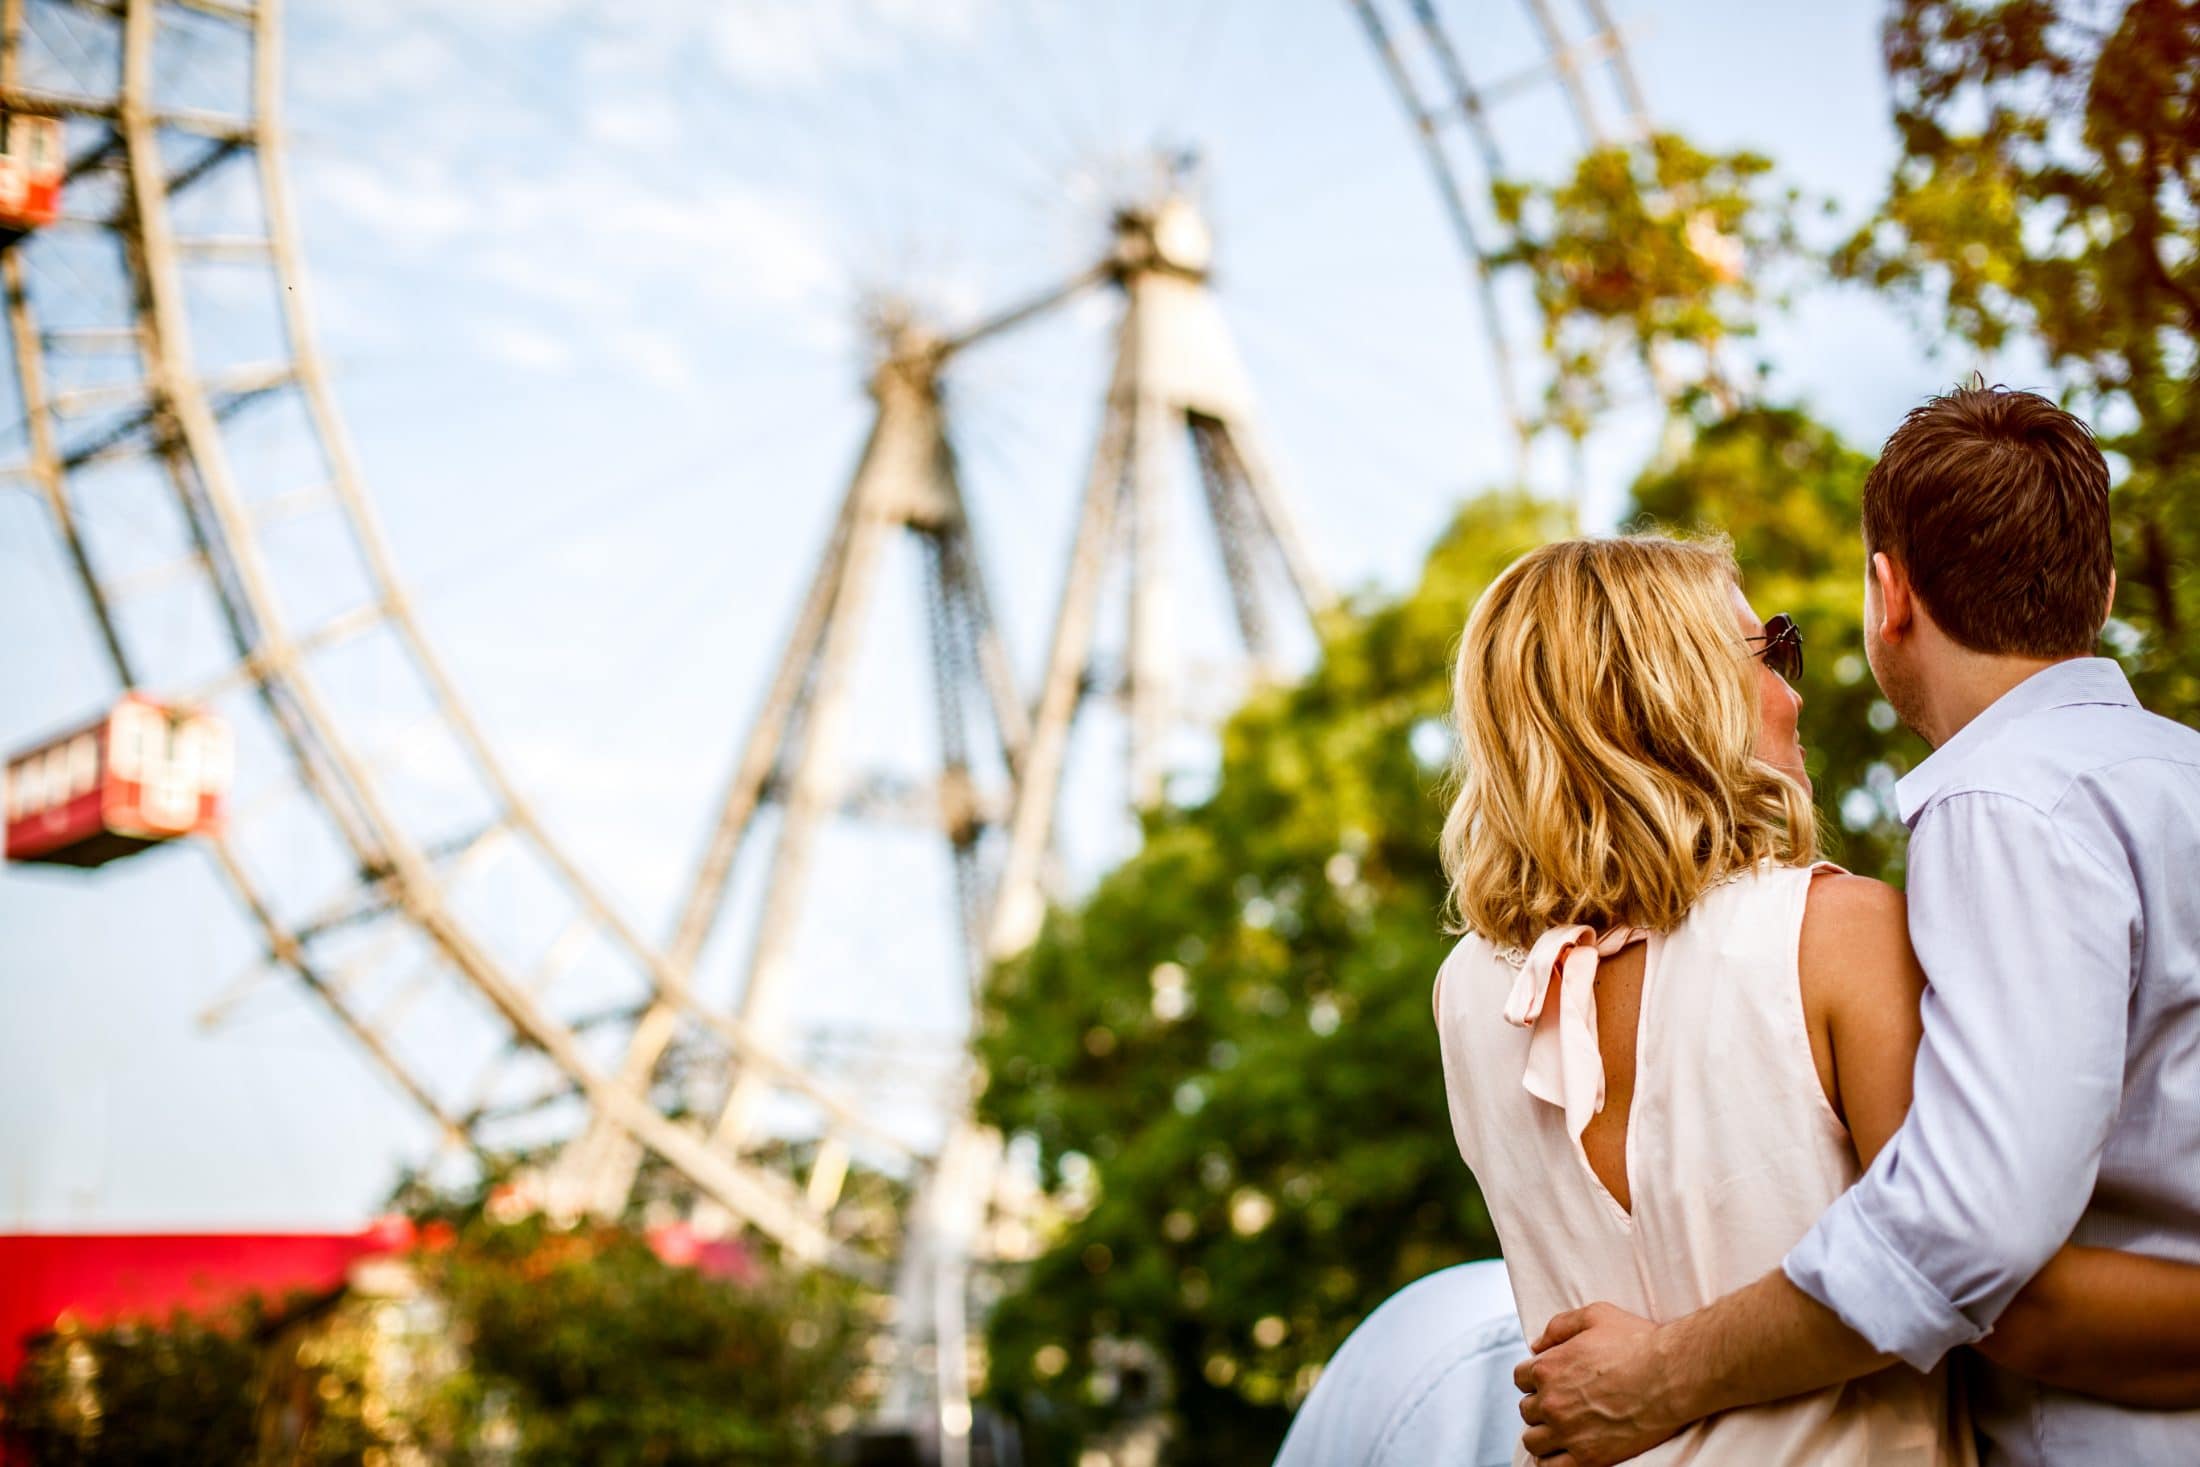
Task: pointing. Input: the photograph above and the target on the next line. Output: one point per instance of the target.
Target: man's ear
(1897, 605)
(2110, 609)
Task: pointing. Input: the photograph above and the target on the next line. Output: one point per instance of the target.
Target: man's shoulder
(2112, 752)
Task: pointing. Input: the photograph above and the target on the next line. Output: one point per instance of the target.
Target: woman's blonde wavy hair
(1608, 716)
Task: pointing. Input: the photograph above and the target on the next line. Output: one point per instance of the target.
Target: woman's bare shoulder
(1855, 904)
(1855, 943)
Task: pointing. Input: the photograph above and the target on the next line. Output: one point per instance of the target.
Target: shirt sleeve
(2026, 940)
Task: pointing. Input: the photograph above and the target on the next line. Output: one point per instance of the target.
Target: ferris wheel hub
(1171, 236)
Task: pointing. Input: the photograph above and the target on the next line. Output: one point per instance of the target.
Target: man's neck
(1969, 683)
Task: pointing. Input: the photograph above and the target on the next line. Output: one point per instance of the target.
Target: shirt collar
(2059, 685)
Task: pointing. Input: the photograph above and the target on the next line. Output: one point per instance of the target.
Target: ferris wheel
(179, 426)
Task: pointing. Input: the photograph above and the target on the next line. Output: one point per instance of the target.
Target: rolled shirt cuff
(1846, 1264)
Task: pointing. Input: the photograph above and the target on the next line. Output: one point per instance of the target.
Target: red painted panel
(53, 829)
(100, 1277)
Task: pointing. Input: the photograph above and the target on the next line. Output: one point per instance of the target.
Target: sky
(588, 278)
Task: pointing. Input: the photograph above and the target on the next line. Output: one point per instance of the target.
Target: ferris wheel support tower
(1177, 390)
(1176, 381)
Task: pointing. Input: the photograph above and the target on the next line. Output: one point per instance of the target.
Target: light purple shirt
(2054, 882)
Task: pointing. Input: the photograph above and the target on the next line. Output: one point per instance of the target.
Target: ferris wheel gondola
(31, 169)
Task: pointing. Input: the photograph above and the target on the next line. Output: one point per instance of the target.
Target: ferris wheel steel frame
(1175, 380)
(178, 424)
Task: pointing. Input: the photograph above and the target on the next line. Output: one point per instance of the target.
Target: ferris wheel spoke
(234, 388)
(147, 580)
(78, 341)
(245, 16)
(203, 166)
(235, 249)
(285, 657)
(1565, 64)
(148, 431)
(286, 950)
(235, 132)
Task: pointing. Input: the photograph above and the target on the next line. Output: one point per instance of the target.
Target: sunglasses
(1783, 646)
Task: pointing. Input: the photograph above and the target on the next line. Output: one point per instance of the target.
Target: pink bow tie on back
(1565, 1066)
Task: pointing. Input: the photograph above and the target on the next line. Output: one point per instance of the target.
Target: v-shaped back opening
(1622, 988)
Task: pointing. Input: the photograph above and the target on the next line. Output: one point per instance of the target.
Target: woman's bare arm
(2121, 1326)
(1861, 986)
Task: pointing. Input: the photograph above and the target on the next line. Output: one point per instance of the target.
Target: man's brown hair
(1996, 502)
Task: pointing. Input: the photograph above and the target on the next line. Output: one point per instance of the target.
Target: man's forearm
(1606, 1385)
(1762, 1343)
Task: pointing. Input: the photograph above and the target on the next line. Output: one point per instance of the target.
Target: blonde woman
(1671, 1037)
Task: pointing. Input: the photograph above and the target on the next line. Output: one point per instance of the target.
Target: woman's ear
(1897, 608)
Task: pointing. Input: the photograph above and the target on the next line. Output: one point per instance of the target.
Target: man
(1426, 1378)
(2054, 885)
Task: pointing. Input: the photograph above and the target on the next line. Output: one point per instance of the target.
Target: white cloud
(593, 227)
(403, 62)
(656, 357)
(758, 248)
(521, 345)
(417, 207)
(798, 43)
(633, 122)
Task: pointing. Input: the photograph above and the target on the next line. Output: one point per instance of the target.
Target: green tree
(1225, 1053)
(1650, 264)
(558, 1345)
(138, 1394)
(2048, 192)
(582, 1345)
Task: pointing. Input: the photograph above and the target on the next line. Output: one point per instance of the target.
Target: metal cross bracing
(163, 351)
(904, 485)
(1452, 114)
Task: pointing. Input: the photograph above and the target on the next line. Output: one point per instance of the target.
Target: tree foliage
(596, 1350)
(139, 1394)
(544, 1344)
(1225, 1055)
(2046, 193)
(1656, 257)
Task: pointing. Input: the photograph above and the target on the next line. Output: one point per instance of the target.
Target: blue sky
(587, 275)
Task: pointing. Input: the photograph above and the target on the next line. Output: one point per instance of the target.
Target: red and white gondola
(144, 774)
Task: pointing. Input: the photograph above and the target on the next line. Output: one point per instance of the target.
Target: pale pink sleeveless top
(1732, 1152)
